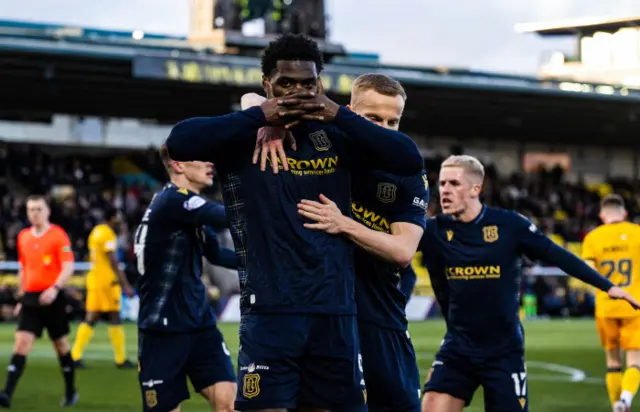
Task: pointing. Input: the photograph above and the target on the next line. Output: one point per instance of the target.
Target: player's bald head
(469, 164)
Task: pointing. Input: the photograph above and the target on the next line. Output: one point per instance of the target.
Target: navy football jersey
(379, 200)
(170, 242)
(475, 270)
(283, 267)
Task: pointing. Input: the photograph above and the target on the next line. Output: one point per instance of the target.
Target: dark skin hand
(286, 110)
(290, 109)
(317, 106)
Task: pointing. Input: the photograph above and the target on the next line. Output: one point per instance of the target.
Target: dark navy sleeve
(375, 147)
(408, 281)
(533, 243)
(205, 138)
(215, 254)
(430, 260)
(412, 202)
(194, 209)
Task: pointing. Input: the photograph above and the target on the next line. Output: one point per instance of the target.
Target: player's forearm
(440, 288)
(217, 255)
(65, 275)
(381, 244)
(576, 267)
(221, 257)
(212, 215)
(227, 259)
(408, 281)
(392, 151)
(251, 100)
(20, 277)
(203, 138)
(115, 265)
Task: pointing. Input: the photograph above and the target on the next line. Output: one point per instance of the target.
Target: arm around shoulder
(385, 149)
(202, 138)
(251, 100)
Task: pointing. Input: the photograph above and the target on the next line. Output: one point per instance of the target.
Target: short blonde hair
(612, 200)
(165, 158)
(470, 165)
(379, 83)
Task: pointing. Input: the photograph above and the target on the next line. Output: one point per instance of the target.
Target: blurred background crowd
(80, 187)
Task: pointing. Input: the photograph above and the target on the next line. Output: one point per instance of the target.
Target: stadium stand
(73, 148)
(81, 186)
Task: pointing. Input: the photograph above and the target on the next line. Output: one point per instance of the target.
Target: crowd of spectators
(81, 186)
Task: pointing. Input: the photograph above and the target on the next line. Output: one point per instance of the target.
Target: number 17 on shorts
(520, 387)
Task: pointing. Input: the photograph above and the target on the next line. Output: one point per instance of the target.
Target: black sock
(16, 367)
(66, 363)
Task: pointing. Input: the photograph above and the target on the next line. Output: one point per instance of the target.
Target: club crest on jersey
(251, 385)
(193, 203)
(449, 235)
(387, 192)
(151, 398)
(490, 233)
(320, 141)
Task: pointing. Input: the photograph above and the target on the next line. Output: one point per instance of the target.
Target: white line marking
(575, 375)
(104, 352)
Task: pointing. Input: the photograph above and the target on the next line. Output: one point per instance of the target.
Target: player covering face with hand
(389, 213)
(298, 335)
(472, 252)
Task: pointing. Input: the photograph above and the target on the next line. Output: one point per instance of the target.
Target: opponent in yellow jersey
(105, 283)
(614, 250)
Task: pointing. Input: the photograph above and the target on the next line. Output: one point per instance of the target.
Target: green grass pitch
(565, 369)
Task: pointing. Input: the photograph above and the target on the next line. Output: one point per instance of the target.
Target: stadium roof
(585, 25)
(166, 79)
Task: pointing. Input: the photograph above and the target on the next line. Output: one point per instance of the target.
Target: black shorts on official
(35, 318)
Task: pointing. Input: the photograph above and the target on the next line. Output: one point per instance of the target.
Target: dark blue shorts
(390, 369)
(166, 360)
(291, 360)
(503, 378)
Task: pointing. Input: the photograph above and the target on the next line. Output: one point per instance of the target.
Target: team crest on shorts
(387, 192)
(251, 385)
(449, 235)
(151, 398)
(320, 141)
(523, 401)
(490, 233)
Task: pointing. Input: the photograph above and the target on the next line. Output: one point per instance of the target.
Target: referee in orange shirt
(46, 263)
